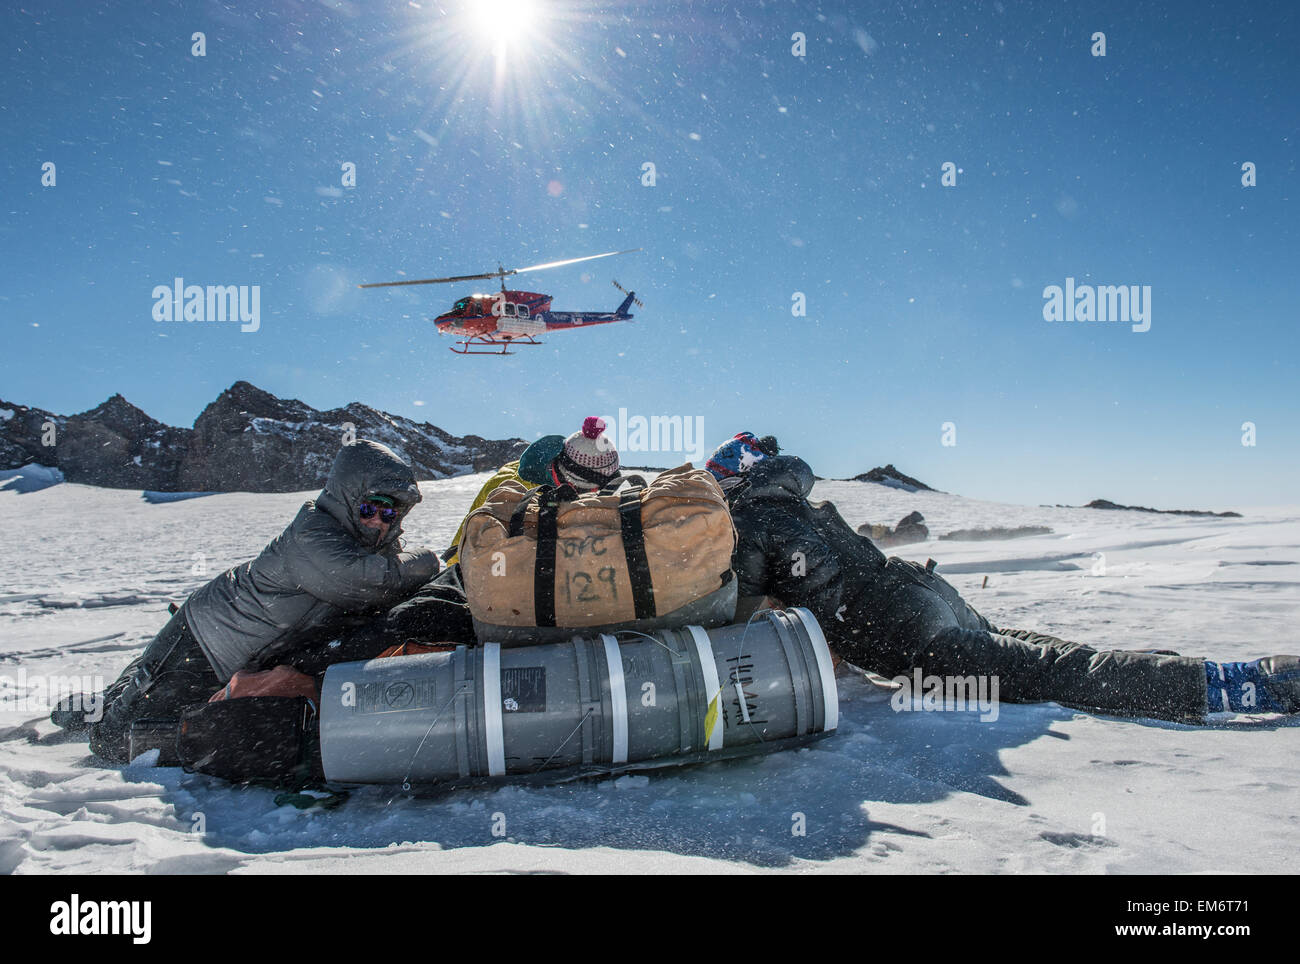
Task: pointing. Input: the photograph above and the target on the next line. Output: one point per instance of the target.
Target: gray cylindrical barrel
(594, 703)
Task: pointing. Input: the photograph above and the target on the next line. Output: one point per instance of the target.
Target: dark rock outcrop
(911, 528)
(1107, 504)
(246, 440)
(892, 477)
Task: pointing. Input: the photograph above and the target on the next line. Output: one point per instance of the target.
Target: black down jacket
(874, 611)
(804, 553)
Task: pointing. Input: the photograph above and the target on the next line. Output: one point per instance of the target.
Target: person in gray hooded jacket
(340, 557)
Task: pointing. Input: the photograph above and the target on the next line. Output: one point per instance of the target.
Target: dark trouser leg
(438, 613)
(1041, 639)
(171, 674)
(1032, 667)
(926, 624)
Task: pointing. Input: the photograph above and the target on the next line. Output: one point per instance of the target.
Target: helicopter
(491, 324)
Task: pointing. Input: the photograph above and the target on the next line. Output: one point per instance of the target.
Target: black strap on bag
(629, 519)
(638, 566)
(516, 527)
(610, 487)
(549, 499)
(548, 511)
(564, 493)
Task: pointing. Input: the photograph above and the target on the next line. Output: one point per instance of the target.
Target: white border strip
(712, 689)
(825, 667)
(496, 743)
(617, 696)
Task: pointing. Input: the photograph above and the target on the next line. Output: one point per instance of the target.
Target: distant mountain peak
(116, 407)
(888, 475)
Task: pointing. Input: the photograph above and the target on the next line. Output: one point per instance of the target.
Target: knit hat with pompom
(740, 453)
(589, 458)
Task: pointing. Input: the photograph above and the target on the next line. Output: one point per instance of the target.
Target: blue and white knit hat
(739, 454)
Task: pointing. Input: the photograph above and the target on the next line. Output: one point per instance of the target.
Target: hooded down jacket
(324, 566)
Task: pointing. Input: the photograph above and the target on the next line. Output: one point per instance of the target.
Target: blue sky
(775, 174)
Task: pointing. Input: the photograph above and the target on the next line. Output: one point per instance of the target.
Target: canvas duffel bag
(631, 556)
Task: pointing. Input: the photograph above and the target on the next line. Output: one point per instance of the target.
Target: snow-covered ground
(88, 573)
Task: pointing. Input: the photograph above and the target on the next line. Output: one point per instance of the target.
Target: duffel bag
(634, 555)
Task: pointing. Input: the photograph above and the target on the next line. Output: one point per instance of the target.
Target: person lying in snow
(340, 557)
(893, 617)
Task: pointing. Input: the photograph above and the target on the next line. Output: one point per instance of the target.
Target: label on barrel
(523, 689)
(740, 677)
(396, 696)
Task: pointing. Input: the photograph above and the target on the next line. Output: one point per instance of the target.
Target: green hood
(362, 469)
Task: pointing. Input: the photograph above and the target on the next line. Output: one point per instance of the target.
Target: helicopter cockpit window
(459, 307)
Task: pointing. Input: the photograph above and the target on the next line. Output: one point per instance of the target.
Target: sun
(496, 66)
(503, 21)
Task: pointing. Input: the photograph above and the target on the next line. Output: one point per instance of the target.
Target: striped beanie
(588, 459)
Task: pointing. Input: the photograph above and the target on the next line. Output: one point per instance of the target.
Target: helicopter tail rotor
(636, 301)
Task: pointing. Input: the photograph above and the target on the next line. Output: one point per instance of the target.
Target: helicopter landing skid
(471, 346)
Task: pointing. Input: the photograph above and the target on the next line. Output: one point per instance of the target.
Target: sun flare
(499, 63)
(504, 21)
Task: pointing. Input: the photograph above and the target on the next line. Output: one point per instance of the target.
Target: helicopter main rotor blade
(558, 264)
(437, 281)
(499, 273)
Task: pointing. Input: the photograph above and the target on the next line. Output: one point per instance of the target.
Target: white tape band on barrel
(617, 697)
(825, 668)
(712, 690)
(496, 743)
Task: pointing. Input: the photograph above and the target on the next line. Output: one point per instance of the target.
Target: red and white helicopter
(490, 324)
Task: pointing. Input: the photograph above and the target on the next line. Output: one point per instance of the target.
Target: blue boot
(1268, 685)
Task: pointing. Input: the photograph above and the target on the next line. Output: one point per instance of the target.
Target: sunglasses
(386, 514)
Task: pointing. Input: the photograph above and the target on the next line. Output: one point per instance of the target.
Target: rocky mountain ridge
(246, 440)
